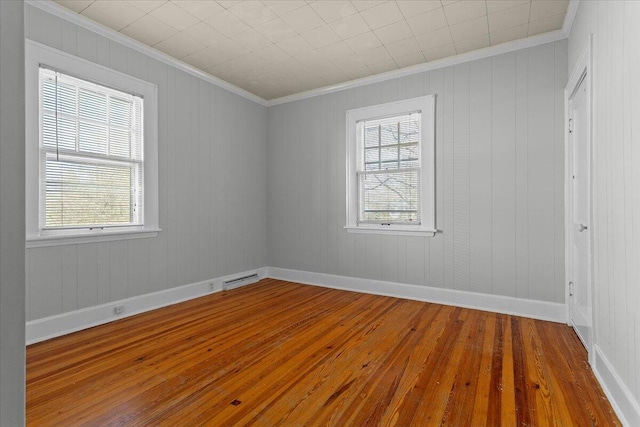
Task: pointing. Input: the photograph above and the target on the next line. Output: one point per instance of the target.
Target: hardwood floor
(281, 353)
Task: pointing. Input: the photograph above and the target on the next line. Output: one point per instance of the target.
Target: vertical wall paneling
(496, 127)
(12, 215)
(480, 187)
(212, 188)
(503, 191)
(522, 174)
(436, 243)
(541, 172)
(461, 176)
(616, 188)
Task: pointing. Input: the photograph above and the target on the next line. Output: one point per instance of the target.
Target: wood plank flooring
(281, 353)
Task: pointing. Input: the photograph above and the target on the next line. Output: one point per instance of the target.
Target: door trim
(583, 68)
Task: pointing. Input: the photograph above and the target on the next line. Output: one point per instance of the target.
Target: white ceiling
(275, 48)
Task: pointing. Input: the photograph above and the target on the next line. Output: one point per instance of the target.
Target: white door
(579, 211)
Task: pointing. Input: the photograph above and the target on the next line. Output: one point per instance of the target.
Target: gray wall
(499, 161)
(12, 354)
(212, 163)
(616, 186)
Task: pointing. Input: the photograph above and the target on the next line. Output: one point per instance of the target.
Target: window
(390, 176)
(91, 151)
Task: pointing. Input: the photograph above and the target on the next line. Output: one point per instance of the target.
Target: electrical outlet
(118, 309)
(212, 287)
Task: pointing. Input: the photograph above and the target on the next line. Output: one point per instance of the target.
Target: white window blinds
(389, 170)
(91, 154)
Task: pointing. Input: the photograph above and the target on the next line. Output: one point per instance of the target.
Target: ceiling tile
(382, 15)
(149, 30)
(464, 11)
(546, 24)
(116, 15)
(403, 47)
(294, 45)
(494, 6)
(436, 38)
(179, 46)
(375, 55)
(383, 67)
(409, 60)
(75, 5)
(204, 33)
(312, 59)
(365, 4)
(321, 36)
(276, 30)
(427, 22)
(469, 29)
(394, 32)
(546, 8)
(208, 58)
(336, 50)
(272, 54)
(350, 26)
(363, 42)
(227, 23)
(439, 52)
(472, 44)
(280, 7)
(201, 9)
(349, 63)
(227, 3)
(509, 18)
(509, 34)
(252, 12)
(303, 19)
(333, 10)
(171, 14)
(416, 7)
(359, 73)
(146, 5)
(251, 40)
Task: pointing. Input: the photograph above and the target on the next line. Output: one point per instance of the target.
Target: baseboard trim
(626, 406)
(73, 321)
(542, 310)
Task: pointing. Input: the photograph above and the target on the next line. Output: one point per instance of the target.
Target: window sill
(420, 232)
(103, 236)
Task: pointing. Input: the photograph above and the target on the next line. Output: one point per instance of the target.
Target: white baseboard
(65, 323)
(626, 406)
(542, 310)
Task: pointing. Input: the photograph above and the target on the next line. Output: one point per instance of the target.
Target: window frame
(37, 55)
(426, 106)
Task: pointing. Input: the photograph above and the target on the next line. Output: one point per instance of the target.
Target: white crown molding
(55, 9)
(626, 407)
(543, 310)
(73, 321)
(572, 10)
(428, 66)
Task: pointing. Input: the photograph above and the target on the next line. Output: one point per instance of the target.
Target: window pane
(93, 138)
(120, 112)
(120, 143)
(389, 197)
(371, 136)
(389, 154)
(92, 105)
(372, 155)
(66, 97)
(409, 131)
(389, 134)
(66, 133)
(80, 193)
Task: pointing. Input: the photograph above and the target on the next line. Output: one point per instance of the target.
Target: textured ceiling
(275, 48)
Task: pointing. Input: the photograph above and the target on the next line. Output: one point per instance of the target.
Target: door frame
(583, 67)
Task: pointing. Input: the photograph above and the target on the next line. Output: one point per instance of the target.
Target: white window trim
(36, 54)
(425, 104)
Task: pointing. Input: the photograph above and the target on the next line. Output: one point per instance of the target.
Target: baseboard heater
(239, 281)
